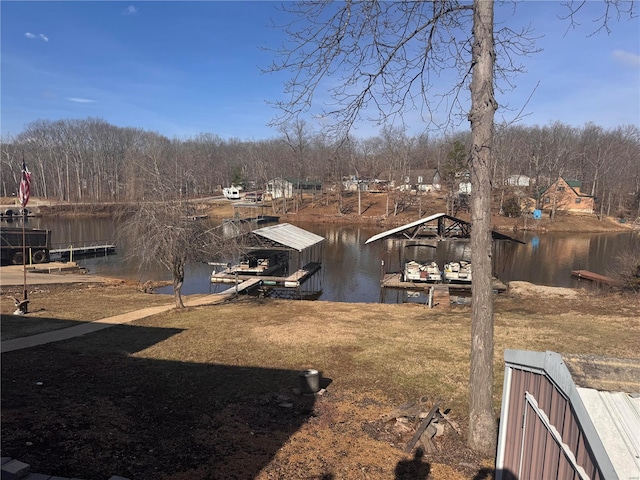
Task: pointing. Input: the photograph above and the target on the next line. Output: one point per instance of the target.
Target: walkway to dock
(90, 327)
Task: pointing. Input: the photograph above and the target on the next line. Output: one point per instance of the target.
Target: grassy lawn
(208, 392)
(58, 306)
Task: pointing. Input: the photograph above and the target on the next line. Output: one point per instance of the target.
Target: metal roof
(616, 418)
(391, 232)
(289, 236)
(461, 225)
(604, 395)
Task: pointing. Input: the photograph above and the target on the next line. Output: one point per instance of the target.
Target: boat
(422, 272)
(258, 262)
(457, 271)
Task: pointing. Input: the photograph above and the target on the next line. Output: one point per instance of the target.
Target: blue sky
(183, 68)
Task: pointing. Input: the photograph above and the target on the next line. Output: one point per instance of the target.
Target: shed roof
(289, 236)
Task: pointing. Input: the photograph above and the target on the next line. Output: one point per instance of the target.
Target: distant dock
(394, 280)
(85, 251)
(595, 278)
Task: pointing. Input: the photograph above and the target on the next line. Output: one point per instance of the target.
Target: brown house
(569, 417)
(565, 195)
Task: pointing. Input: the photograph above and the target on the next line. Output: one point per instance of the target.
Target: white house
(518, 181)
(279, 188)
(464, 187)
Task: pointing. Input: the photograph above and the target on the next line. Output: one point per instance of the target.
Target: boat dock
(595, 278)
(86, 251)
(394, 280)
(245, 286)
(292, 281)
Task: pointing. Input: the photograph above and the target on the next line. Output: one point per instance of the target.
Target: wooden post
(425, 423)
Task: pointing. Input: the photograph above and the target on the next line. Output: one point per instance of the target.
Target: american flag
(25, 186)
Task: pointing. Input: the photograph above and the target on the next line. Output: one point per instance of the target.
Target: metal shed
(569, 416)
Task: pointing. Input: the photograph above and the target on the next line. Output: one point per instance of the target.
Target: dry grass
(58, 306)
(210, 375)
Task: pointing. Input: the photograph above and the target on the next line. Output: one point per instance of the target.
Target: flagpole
(24, 264)
(25, 192)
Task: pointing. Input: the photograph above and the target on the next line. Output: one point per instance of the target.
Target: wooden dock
(243, 287)
(439, 296)
(394, 280)
(86, 251)
(292, 281)
(595, 278)
(56, 267)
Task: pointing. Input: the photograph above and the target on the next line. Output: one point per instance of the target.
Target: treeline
(91, 160)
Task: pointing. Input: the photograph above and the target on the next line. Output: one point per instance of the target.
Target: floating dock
(394, 280)
(292, 281)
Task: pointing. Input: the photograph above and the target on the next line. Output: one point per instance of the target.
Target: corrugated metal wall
(531, 451)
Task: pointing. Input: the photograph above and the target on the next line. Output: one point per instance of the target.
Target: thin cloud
(130, 10)
(626, 58)
(40, 36)
(80, 100)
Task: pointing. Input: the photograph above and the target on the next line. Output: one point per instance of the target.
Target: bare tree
(386, 53)
(382, 57)
(162, 232)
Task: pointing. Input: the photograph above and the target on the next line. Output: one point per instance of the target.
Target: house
(464, 188)
(279, 188)
(421, 181)
(352, 183)
(518, 181)
(569, 416)
(427, 180)
(287, 187)
(305, 185)
(565, 195)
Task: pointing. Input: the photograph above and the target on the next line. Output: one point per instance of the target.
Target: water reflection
(352, 270)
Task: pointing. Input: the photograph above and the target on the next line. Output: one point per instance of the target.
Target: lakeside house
(565, 195)
(286, 187)
(421, 181)
(518, 181)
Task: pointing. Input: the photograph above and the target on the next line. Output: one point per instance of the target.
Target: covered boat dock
(284, 258)
(437, 227)
(433, 231)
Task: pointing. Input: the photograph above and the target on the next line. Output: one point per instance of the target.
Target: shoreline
(223, 209)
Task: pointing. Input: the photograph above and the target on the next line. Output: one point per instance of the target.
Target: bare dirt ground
(375, 209)
(210, 392)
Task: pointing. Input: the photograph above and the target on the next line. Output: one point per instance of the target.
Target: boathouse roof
(446, 226)
(289, 235)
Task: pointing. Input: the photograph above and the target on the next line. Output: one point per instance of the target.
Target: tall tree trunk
(178, 280)
(482, 421)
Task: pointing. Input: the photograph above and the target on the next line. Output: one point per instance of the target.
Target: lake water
(351, 270)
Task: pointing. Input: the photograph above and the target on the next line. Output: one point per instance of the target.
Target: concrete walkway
(89, 327)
